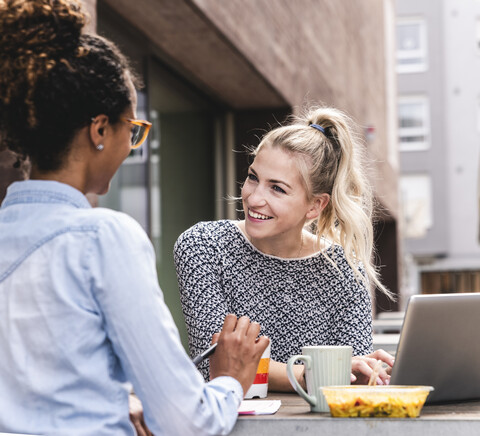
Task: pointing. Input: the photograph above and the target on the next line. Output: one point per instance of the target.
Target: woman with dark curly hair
(81, 312)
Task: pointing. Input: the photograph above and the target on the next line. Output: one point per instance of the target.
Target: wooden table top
(294, 417)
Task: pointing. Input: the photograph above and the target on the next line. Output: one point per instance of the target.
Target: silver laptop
(439, 346)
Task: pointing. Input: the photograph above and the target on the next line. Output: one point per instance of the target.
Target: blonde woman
(300, 261)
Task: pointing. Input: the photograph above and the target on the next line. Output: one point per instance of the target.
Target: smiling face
(274, 198)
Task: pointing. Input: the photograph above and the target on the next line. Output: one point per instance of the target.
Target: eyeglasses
(139, 132)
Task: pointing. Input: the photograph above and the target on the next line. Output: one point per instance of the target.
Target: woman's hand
(239, 351)
(136, 416)
(362, 368)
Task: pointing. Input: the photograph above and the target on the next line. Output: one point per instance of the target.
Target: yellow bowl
(376, 401)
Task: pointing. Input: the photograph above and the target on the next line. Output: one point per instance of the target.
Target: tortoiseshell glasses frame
(140, 129)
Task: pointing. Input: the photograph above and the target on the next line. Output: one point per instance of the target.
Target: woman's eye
(252, 177)
(278, 189)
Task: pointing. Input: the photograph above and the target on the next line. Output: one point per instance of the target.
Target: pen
(202, 356)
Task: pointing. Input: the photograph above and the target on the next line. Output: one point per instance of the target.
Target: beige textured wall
(187, 41)
(90, 6)
(329, 51)
(324, 49)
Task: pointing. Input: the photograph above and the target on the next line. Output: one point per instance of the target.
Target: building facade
(217, 75)
(438, 65)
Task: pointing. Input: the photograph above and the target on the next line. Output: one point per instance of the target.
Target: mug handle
(293, 380)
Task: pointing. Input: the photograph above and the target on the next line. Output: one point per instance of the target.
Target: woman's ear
(98, 129)
(319, 203)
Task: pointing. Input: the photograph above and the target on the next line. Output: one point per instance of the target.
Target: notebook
(439, 346)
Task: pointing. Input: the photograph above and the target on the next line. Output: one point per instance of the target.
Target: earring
(100, 147)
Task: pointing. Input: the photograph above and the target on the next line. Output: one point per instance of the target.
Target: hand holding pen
(205, 354)
(238, 351)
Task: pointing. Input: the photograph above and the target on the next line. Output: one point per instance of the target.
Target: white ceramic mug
(259, 387)
(326, 365)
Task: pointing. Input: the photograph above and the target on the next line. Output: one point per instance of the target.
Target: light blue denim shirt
(81, 316)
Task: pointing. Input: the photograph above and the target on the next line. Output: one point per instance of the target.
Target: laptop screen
(439, 346)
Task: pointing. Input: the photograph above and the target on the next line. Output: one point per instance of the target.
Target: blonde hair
(330, 161)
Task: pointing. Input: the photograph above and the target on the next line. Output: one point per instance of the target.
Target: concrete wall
(91, 7)
(185, 39)
(434, 160)
(453, 87)
(319, 51)
(310, 49)
(256, 54)
(252, 54)
(462, 91)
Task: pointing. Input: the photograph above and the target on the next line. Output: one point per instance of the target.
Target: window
(413, 123)
(411, 45)
(416, 199)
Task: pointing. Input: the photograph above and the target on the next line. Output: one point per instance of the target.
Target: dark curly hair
(54, 79)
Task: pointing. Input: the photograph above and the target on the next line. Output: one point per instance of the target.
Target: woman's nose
(257, 196)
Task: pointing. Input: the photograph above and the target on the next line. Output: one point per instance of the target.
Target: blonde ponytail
(331, 161)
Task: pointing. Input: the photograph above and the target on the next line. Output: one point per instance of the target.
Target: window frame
(421, 54)
(406, 206)
(404, 132)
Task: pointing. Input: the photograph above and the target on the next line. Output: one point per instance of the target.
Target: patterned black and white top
(297, 302)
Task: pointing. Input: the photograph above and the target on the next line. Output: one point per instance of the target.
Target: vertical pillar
(90, 6)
